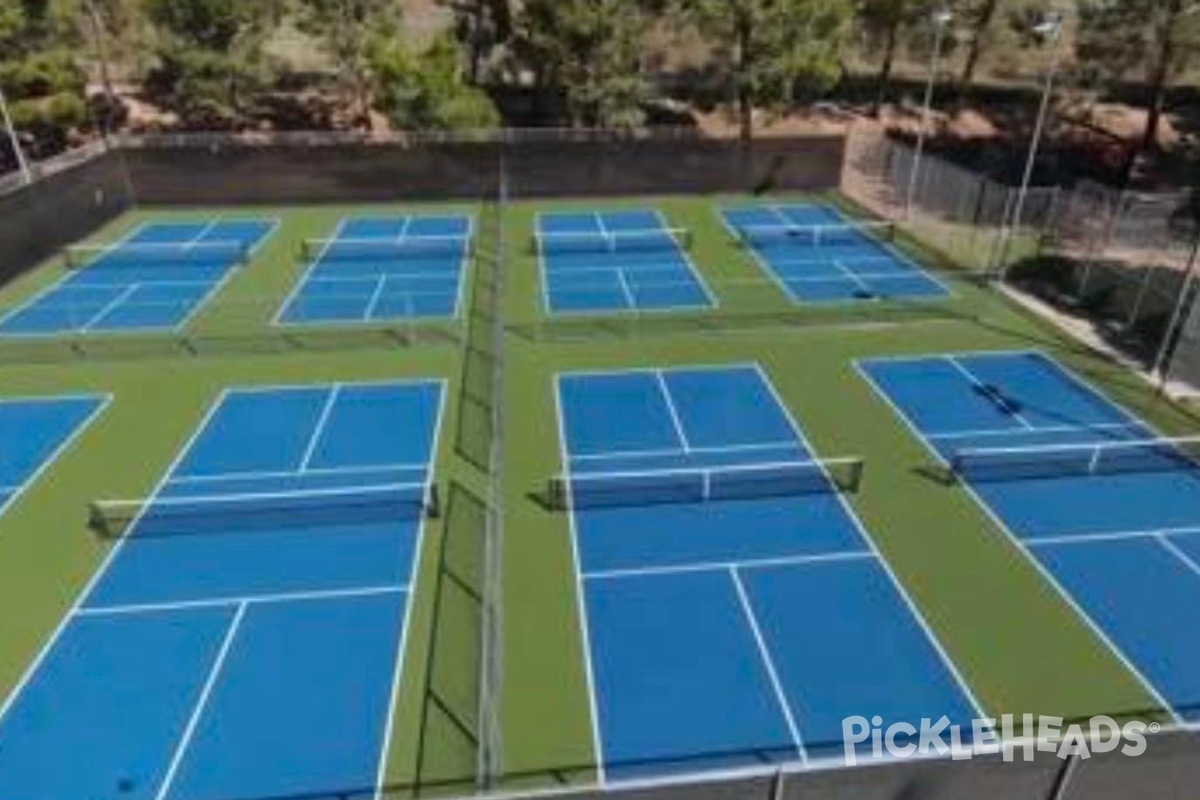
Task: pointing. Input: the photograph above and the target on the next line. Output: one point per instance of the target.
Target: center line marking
(319, 430)
(765, 653)
(673, 411)
(190, 731)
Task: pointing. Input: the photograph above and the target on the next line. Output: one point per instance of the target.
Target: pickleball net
(702, 485)
(148, 254)
(822, 235)
(630, 241)
(266, 511)
(385, 249)
(1164, 455)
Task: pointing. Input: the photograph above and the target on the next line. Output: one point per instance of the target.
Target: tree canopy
(1156, 38)
(591, 52)
(233, 64)
(771, 51)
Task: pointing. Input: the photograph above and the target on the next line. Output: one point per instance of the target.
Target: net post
(433, 502)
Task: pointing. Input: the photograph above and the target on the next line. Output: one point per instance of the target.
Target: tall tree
(769, 51)
(209, 52)
(1158, 38)
(427, 90)
(40, 75)
(884, 21)
(481, 26)
(976, 17)
(590, 52)
(345, 29)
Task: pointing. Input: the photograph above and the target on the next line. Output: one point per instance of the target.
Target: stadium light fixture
(941, 19)
(1049, 30)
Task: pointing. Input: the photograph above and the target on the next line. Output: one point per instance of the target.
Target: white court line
(241, 600)
(302, 281)
(1176, 551)
(696, 449)
(764, 653)
(193, 305)
(777, 211)
(978, 384)
(1088, 538)
(719, 566)
(776, 266)
(14, 492)
(185, 448)
(626, 291)
(403, 232)
(854, 278)
(61, 283)
(543, 266)
(373, 280)
(198, 710)
(661, 381)
(310, 472)
(465, 263)
(764, 266)
(585, 631)
(866, 537)
(204, 231)
(1109, 536)
(319, 429)
(111, 306)
(713, 300)
(896, 253)
(1020, 544)
(406, 624)
(857, 277)
(77, 603)
(983, 432)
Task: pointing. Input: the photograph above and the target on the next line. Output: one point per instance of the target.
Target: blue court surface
(616, 261)
(817, 255)
(381, 269)
(244, 637)
(741, 627)
(1107, 508)
(153, 279)
(33, 432)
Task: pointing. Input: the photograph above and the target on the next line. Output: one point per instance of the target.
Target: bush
(49, 121)
(428, 91)
(42, 74)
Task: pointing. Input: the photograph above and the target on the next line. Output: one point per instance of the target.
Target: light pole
(22, 164)
(941, 20)
(97, 25)
(1049, 29)
(1177, 320)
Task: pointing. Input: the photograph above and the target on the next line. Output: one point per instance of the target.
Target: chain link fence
(1068, 241)
(962, 214)
(1117, 261)
(1122, 261)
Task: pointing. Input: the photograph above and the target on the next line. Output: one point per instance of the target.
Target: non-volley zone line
(265, 662)
(813, 253)
(699, 650)
(34, 432)
(155, 278)
(599, 262)
(405, 267)
(1103, 505)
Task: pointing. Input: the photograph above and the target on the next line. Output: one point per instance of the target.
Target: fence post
(778, 783)
(1136, 310)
